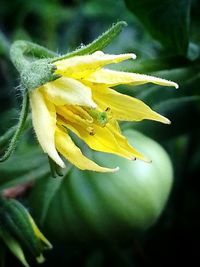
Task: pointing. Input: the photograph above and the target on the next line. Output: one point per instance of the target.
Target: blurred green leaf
(4, 45)
(46, 191)
(167, 21)
(25, 165)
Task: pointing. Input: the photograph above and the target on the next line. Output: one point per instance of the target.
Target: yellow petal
(70, 151)
(44, 123)
(112, 78)
(80, 67)
(69, 91)
(124, 107)
(123, 142)
(100, 139)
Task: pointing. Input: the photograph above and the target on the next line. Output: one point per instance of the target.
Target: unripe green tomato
(113, 205)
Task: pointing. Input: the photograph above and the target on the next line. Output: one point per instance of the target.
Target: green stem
(19, 128)
(21, 49)
(6, 137)
(101, 42)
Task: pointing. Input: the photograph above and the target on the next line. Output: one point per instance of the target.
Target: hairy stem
(19, 128)
(21, 51)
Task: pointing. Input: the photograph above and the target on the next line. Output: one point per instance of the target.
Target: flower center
(82, 117)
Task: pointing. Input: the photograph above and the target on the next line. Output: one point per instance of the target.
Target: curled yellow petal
(70, 151)
(123, 142)
(68, 91)
(113, 78)
(80, 67)
(124, 107)
(102, 139)
(44, 123)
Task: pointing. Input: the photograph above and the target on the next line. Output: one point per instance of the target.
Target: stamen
(68, 115)
(107, 109)
(81, 112)
(109, 113)
(91, 130)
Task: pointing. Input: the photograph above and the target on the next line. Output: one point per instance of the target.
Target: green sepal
(35, 63)
(38, 73)
(98, 44)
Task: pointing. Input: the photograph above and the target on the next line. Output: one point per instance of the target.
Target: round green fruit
(90, 205)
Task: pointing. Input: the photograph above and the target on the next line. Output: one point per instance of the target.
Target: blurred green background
(165, 37)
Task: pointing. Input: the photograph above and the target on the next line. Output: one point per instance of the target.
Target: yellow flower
(82, 101)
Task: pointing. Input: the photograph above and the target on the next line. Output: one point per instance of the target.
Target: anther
(91, 131)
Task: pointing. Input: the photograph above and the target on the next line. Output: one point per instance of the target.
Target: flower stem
(19, 128)
(21, 49)
(5, 138)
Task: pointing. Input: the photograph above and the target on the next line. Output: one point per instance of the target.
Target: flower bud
(19, 231)
(38, 73)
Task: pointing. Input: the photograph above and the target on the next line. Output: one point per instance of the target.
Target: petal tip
(173, 84)
(176, 85)
(167, 121)
(146, 160)
(63, 165)
(162, 119)
(133, 56)
(93, 105)
(60, 163)
(115, 169)
(133, 158)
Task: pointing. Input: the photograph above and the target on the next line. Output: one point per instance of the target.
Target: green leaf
(45, 190)
(166, 20)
